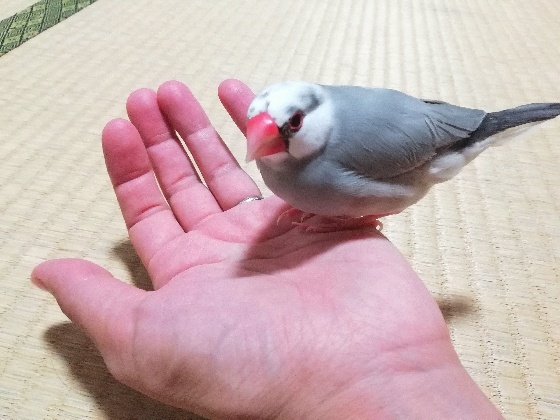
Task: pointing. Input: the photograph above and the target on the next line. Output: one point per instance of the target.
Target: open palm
(247, 318)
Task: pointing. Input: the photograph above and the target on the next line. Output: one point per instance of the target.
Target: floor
(486, 243)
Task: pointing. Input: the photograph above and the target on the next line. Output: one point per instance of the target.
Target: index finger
(236, 97)
(226, 180)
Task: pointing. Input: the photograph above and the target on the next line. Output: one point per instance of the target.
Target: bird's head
(288, 119)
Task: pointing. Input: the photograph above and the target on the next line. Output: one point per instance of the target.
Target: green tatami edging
(35, 19)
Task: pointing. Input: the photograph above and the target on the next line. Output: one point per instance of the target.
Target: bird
(354, 154)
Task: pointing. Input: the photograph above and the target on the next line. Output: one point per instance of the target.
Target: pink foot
(294, 213)
(337, 224)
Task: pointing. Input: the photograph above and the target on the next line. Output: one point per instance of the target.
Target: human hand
(247, 318)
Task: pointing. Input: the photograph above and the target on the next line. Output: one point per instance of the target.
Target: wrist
(403, 386)
(447, 392)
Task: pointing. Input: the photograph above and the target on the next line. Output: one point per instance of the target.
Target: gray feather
(383, 133)
(382, 150)
(496, 122)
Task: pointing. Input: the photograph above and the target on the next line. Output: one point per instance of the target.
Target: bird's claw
(293, 213)
(329, 224)
(336, 224)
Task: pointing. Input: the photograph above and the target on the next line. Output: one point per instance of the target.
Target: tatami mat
(33, 20)
(11, 7)
(486, 244)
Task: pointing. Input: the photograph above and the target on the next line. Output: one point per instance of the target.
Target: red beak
(263, 137)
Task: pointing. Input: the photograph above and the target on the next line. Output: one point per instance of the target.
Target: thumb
(102, 306)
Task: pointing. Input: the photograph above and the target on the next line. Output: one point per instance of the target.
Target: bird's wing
(382, 133)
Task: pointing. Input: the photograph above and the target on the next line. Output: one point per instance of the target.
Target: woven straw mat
(486, 243)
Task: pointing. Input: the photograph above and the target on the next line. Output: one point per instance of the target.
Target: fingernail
(39, 283)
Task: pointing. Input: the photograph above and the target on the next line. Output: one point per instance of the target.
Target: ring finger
(189, 199)
(224, 177)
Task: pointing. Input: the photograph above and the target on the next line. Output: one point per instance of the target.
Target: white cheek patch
(283, 99)
(315, 132)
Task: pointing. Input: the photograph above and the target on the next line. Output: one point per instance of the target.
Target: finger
(150, 222)
(188, 197)
(102, 306)
(236, 97)
(221, 172)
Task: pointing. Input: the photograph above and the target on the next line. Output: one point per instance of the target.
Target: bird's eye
(295, 122)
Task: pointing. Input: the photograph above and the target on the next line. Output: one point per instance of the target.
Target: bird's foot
(336, 224)
(292, 214)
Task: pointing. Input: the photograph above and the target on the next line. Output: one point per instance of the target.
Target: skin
(249, 319)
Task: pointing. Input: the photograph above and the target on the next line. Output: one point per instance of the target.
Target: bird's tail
(495, 128)
(505, 124)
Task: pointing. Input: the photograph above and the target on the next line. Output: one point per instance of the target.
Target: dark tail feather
(495, 122)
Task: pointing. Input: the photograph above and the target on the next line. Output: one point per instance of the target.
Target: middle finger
(188, 197)
(227, 181)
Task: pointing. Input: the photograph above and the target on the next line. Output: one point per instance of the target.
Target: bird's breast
(326, 189)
